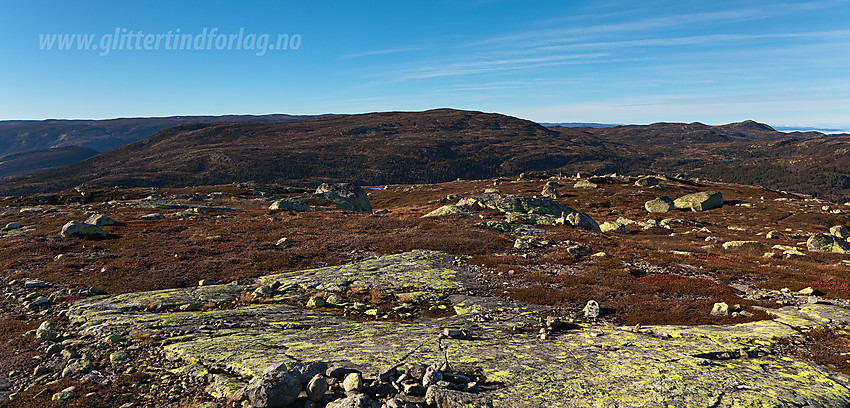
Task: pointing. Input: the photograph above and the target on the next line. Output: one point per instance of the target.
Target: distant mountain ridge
(444, 144)
(101, 135)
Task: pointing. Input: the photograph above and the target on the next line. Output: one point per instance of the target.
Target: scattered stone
(839, 231)
(661, 204)
(274, 388)
(346, 196)
(741, 244)
(827, 243)
(702, 201)
(206, 282)
(609, 226)
(152, 217)
(100, 220)
(448, 210)
(282, 241)
(290, 205)
(34, 283)
(591, 309)
(82, 230)
(76, 367)
(522, 243)
(773, 234)
(585, 184)
(581, 220)
(720, 309)
(649, 181)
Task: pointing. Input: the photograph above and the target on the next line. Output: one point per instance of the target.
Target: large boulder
(290, 205)
(581, 220)
(448, 210)
(661, 204)
(82, 230)
(346, 196)
(274, 388)
(827, 243)
(704, 200)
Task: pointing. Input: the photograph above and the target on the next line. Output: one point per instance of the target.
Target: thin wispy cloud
(381, 52)
(491, 66)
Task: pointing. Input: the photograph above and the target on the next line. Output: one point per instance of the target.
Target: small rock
(455, 333)
(282, 241)
(591, 309)
(45, 332)
(827, 243)
(75, 367)
(415, 371)
(609, 226)
(12, 225)
(34, 283)
(100, 220)
(414, 389)
(661, 204)
(317, 387)
(550, 190)
(388, 373)
(431, 377)
(720, 309)
(334, 300)
(54, 349)
(40, 370)
(339, 373)
(64, 395)
(118, 357)
(315, 302)
(522, 243)
(353, 382)
(206, 282)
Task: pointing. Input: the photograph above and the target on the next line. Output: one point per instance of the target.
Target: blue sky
(782, 63)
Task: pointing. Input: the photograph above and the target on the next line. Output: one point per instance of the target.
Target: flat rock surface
(588, 365)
